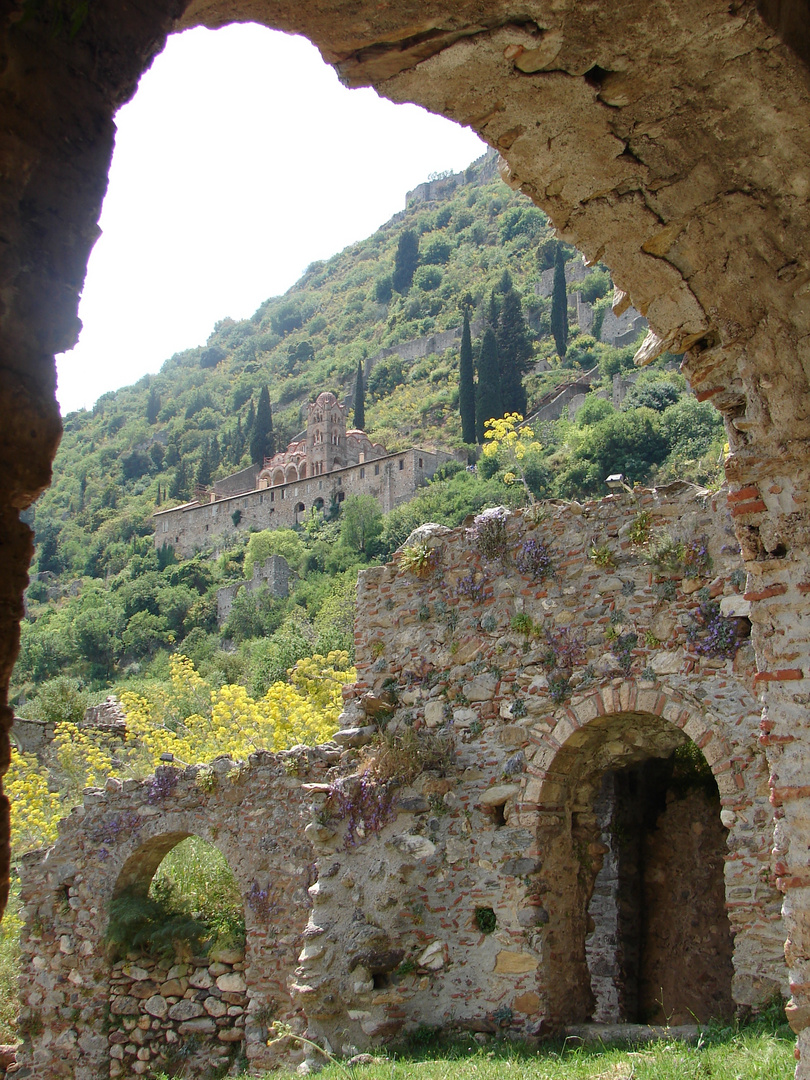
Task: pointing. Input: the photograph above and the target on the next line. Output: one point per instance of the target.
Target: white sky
(240, 160)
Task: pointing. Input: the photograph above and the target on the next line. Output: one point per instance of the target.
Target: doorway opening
(660, 950)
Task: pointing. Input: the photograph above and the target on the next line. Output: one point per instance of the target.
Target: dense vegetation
(105, 607)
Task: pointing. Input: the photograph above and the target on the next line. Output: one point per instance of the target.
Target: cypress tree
(152, 406)
(238, 442)
(262, 444)
(493, 311)
(514, 353)
(172, 456)
(559, 305)
(488, 404)
(466, 388)
(505, 284)
(359, 399)
(177, 488)
(405, 261)
(203, 477)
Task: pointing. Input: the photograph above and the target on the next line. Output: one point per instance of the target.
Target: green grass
(762, 1050)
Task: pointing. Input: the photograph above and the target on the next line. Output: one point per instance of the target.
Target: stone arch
(614, 739)
(117, 839)
(302, 471)
(291, 474)
(278, 477)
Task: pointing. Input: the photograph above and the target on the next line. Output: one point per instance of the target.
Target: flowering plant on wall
(711, 633)
(420, 559)
(534, 559)
(562, 653)
(514, 446)
(488, 532)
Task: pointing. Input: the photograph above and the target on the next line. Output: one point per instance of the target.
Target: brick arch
(611, 727)
(560, 743)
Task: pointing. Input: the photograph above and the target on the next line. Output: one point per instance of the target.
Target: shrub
(427, 278)
(488, 532)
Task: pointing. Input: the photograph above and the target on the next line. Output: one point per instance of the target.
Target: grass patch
(760, 1050)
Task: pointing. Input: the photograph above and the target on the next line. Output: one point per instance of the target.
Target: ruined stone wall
(163, 1013)
(256, 814)
(470, 889)
(273, 574)
(469, 904)
(391, 480)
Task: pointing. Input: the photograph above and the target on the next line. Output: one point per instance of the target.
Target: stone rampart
(199, 526)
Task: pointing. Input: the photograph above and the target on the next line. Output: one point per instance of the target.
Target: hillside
(104, 606)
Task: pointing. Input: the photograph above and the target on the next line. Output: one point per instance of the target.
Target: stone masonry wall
(465, 900)
(461, 893)
(274, 575)
(391, 480)
(163, 1012)
(256, 814)
(678, 156)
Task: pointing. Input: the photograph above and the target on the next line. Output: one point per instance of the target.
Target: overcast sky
(240, 160)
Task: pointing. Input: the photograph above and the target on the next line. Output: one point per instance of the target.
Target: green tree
(488, 401)
(466, 386)
(204, 467)
(658, 395)
(359, 399)
(262, 443)
(406, 261)
(152, 406)
(593, 410)
(47, 541)
(62, 698)
(284, 542)
(360, 522)
(628, 443)
(178, 487)
(514, 352)
(559, 305)
(385, 377)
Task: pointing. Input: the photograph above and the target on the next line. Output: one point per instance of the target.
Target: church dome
(326, 399)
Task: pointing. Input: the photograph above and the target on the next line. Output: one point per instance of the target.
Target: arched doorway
(178, 990)
(632, 885)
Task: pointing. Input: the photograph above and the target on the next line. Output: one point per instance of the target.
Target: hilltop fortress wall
(550, 734)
